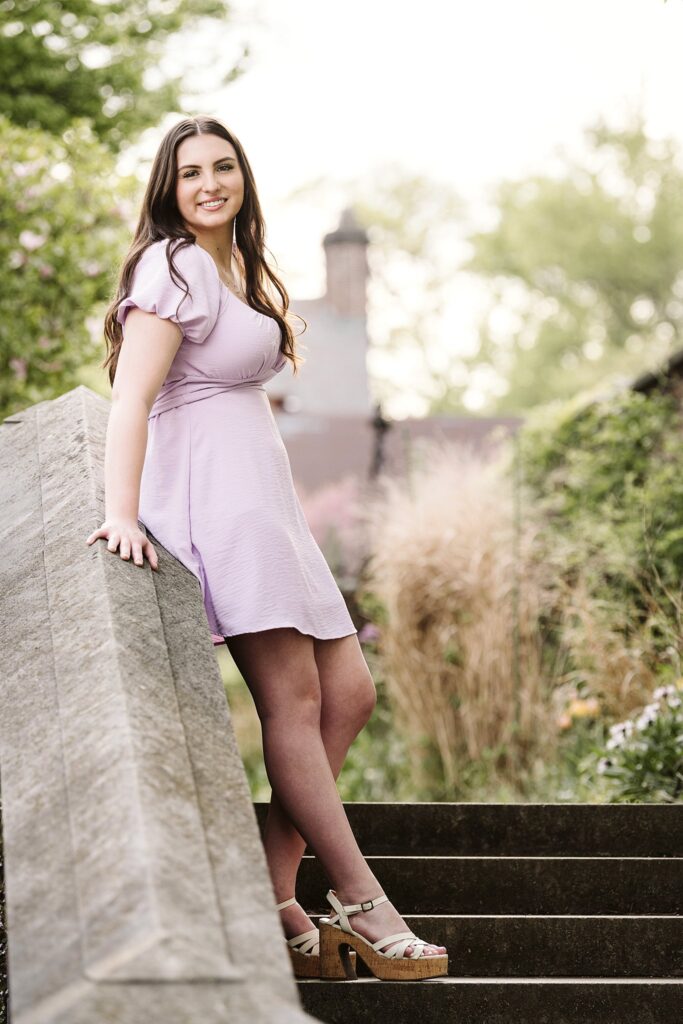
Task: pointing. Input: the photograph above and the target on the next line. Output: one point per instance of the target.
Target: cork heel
(337, 938)
(303, 950)
(335, 961)
(304, 965)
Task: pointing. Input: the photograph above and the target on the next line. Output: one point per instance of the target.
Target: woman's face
(207, 169)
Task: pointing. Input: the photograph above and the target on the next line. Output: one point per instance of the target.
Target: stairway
(551, 913)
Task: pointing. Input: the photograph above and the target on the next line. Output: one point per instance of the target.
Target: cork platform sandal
(304, 949)
(338, 939)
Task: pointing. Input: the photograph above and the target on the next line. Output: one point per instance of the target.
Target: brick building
(326, 414)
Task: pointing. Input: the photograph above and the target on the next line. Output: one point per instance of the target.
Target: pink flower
(19, 366)
(46, 270)
(31, 240)
(368, 633)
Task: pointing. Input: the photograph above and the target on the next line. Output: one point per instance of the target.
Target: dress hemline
(283, 625)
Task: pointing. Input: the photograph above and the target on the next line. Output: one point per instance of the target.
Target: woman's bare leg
(286, 672)
(348, 698)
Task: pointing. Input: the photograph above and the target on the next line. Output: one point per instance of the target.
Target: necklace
(234, 288)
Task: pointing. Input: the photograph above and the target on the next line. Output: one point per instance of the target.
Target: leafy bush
(642, 761)
(605, 477)
(63, 212)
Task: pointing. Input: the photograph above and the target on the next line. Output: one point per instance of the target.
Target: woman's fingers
(126, 542)
(151, 554)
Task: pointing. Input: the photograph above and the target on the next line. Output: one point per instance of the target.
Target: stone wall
(136, 883)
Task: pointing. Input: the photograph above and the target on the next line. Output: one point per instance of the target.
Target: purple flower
(369, 633)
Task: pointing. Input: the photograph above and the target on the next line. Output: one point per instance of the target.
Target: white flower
(31, 240)
(603, 764)
(674, 702)
(614, 742)
(645, 719)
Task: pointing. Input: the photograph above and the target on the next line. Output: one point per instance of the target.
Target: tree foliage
(586, 268)
(606, 477)
(89, 59)
(64, 213)
(413, 225)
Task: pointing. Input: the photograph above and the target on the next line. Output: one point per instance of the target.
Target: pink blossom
(31, 240)
(333, 514)
(368, 633)
(19, 366)
(46, 270)
(17, 259)
(44, 342)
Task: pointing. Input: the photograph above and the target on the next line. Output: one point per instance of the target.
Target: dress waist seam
(184, 393)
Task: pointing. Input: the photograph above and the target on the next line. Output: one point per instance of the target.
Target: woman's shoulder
(195, 265)
(156, 289)
(184, 254)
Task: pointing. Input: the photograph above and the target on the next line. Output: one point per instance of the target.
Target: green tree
(413, 225)
(585, 268)
(90, 58)
(65, 214)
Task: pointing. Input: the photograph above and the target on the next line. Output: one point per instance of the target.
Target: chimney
(347, 266)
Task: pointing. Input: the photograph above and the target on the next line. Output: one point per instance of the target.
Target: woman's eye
(221, 167)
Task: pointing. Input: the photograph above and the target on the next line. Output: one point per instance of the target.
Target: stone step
(515, 885)
(539, 1000)
(500, 946)
(514, 830)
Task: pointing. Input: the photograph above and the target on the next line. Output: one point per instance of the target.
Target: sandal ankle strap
(286, 903)
(343, 910)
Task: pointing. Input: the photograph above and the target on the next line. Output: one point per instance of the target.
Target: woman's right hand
(126, 535)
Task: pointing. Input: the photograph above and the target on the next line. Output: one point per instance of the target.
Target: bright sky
(467, 91)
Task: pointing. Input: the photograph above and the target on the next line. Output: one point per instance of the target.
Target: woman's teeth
(213, 204)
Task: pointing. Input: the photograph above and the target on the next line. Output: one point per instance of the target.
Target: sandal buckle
(368, 905)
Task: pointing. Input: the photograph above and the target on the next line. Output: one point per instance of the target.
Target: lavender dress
(216, 487)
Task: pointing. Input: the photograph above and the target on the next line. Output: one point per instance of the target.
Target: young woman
(193, 452)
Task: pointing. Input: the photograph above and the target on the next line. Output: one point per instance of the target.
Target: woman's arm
(146, 354)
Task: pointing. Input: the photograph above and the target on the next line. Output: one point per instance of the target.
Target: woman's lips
(214, 204)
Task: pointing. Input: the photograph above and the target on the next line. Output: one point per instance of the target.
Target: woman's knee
(351, 704)
(280, 670)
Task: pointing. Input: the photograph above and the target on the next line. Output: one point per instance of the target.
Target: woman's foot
(381, 920)
(295, 920)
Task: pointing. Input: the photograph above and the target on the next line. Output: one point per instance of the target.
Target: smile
(213, 204)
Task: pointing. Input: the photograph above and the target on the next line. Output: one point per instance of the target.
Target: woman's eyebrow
(222, 159)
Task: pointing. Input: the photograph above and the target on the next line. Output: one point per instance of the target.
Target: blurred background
(478, 210)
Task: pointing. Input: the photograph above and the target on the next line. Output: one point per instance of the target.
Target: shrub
(642, 761)
(63, 211)
(606, 479)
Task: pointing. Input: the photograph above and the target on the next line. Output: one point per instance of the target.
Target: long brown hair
(160, 218)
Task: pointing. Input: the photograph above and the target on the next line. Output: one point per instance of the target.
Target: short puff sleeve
(154, 290)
